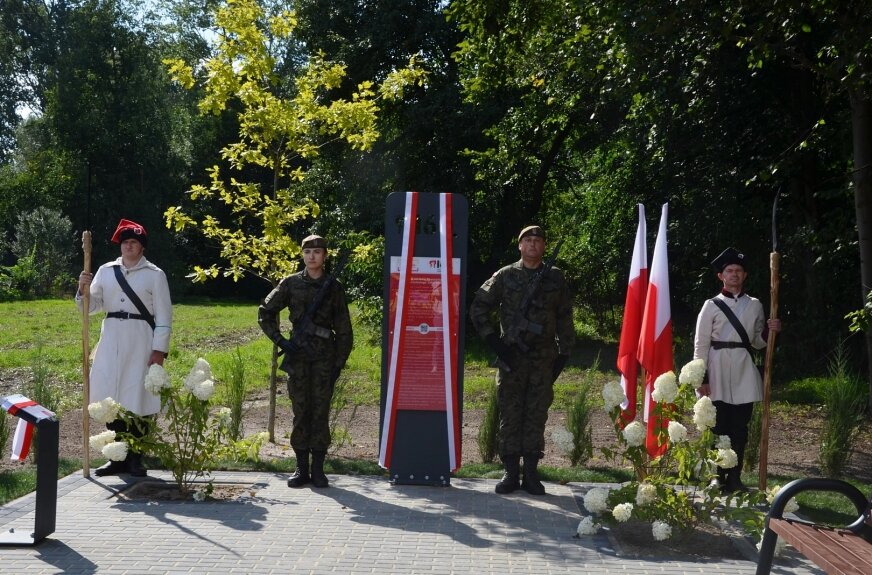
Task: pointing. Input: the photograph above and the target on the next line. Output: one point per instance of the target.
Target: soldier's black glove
(559, 364)
(503, 351)
(286, 346)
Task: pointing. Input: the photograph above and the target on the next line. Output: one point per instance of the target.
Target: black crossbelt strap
(734, 321)
(143, 311)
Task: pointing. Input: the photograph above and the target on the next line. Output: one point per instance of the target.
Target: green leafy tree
(286, 111)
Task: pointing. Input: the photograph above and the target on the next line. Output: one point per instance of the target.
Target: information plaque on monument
(422, 345)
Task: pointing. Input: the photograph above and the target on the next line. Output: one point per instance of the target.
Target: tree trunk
(861, 120)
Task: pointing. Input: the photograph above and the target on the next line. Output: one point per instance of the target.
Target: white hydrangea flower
(677, 432)
(199, 373)
(645, 494)
(704, 413)
(587, 526)
(101, 440)
(665, 388)
(622, 512)
(613, 395)
(723, 442)
(661, 530)
(156, 379)
(596, 500)
(693, 373)
(204, 390)
(727, 459)
(635, 434)
(105, 410)
(563, 439)
(115, 451)
(224, 417)
(791, 507)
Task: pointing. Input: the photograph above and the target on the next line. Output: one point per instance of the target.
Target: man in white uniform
(133, 335)
(726, 344)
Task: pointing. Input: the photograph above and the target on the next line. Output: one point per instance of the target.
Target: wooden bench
(838, 551)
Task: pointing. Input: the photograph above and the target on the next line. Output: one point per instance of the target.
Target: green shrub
(845, 405)
(45, 237)
(234, 392)
(579, 419)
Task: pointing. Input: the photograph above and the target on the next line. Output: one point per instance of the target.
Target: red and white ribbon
(394, 368)
(449, 332)
(24, 430)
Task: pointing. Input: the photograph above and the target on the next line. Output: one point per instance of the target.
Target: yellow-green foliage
(280, 120)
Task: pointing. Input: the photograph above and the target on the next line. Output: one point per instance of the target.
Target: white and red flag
(628, 364)
(655, 342)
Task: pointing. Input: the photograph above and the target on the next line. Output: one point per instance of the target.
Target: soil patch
(166, 491)
(706, 541)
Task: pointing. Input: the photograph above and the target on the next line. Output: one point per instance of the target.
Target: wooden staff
(774, 263)
(86, 371)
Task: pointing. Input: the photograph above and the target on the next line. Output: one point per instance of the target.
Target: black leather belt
(125, 315)
(728, 345)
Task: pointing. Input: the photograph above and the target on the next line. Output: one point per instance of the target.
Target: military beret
(128, 230)
(729, 256)
(531, 231)
(313, 241)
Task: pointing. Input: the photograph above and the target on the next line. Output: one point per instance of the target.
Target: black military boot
(300, 476)
(510, 481)
(531, 483)
(111, 468)
(135, 466)
(734, 480)
(720, 483)
(319, 478)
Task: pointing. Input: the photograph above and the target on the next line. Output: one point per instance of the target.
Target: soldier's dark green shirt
(296, 293)
(551, 308)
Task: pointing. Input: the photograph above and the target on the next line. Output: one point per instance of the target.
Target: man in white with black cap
(729, 328)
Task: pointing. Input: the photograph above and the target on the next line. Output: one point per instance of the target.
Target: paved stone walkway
(358, 525)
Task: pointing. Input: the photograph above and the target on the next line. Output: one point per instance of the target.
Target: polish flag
(628, 365)
(655, 343)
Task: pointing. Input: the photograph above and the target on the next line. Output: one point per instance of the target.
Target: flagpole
(774, 266)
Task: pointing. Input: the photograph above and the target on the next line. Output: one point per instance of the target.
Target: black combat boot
(111, 468)
(531, 483)
(319, 478)
(720, 483)
(300, 476)
(734, 480)
(510, 481)
(135, 466)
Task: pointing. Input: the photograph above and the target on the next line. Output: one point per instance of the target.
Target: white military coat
(121, 357)
(732, 375)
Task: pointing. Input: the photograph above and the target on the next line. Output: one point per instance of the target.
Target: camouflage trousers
(310, 387)
(524, 396)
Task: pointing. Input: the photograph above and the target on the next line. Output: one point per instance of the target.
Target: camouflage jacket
(334, 337)
(501, 295)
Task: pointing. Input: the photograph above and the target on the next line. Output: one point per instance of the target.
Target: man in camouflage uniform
(313, 359)
(525, 378)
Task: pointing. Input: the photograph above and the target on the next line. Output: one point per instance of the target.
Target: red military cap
(127, 230)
